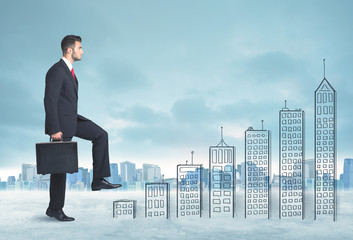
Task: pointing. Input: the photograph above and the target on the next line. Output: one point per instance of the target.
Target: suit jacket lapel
(74, 81)
(76, 84)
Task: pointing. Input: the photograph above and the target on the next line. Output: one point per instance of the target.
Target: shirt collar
(68, 64)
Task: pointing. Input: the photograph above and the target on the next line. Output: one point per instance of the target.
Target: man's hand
(57, 136)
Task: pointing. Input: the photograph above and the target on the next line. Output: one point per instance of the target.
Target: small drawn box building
(124, 209)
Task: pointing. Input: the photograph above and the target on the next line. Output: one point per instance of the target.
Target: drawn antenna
(192, 157)
(222, 142)
(324, 68)
(285, 105)
(262, 122)
(222, 134)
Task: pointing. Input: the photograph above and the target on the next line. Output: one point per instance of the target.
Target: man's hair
(69, 42)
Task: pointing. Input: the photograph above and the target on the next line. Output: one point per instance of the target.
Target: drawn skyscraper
(325, 150)
(291, 157)
(257, 172)
(157, 200)
(221, 180)
(189, 189)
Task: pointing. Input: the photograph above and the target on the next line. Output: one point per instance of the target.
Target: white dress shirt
(68, 64)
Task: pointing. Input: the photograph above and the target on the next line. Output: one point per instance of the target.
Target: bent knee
(102, 135)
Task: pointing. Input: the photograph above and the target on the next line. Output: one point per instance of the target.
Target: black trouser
(87, 130)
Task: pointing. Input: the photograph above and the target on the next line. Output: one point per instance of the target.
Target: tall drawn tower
(325, 150)
(221, 179)
(257, 173)
(291, 158)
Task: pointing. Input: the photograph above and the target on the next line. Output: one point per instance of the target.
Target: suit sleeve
(79, 117)
(53, 84)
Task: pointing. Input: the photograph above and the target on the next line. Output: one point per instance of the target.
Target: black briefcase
(57, 157)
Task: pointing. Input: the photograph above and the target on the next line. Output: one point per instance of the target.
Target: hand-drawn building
(325, 150)
(291, 157)
(257, 172)
(221, 179)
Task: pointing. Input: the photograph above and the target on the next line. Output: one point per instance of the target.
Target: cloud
(118, 77)
(274, 66)
(183, 124)
(18, 105)
(272, 71)
(146, 115)
(188, 121)
(193, 110)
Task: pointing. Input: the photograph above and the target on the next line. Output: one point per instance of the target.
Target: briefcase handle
(52, 140)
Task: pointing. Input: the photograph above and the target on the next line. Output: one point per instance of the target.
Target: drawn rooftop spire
(222, 142)
(325, 86)
(285, 105)
(192, 157)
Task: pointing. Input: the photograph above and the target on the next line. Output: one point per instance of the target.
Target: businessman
(62, 123)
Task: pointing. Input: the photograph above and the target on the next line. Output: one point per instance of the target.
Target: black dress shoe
(59, 215)
(101, 183)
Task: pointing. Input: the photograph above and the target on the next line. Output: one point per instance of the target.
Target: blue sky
(162, 77)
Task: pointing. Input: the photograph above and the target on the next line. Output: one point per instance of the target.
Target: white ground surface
(22, 216)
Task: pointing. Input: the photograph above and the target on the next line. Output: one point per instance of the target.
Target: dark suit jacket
(60, 101)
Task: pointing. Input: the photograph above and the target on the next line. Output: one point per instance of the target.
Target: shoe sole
(98, 189)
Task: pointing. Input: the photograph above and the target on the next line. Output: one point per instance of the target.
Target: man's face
(77, 52)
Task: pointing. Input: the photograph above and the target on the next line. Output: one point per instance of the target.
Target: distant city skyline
(84, 177)
(19, 172)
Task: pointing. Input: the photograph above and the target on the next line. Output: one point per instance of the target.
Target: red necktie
(73, 73)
